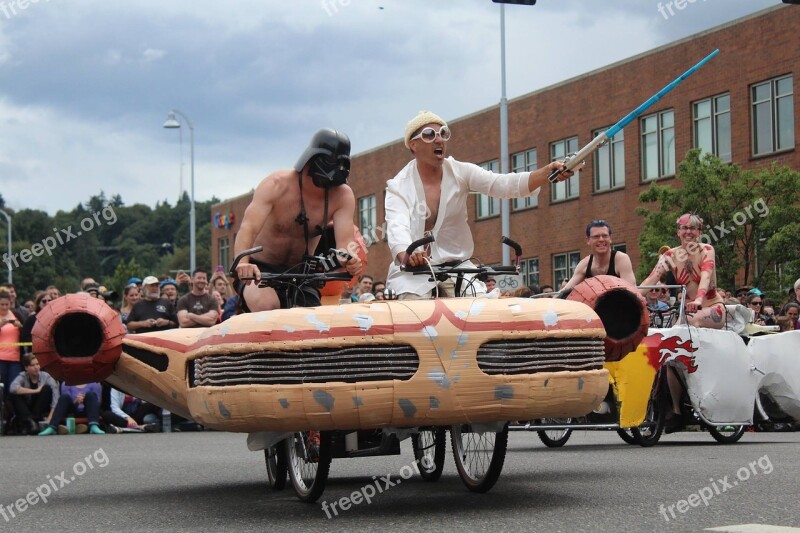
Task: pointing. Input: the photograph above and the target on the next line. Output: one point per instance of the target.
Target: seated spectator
(546, 289)
(130, 412)
(379, 294)
(652, 298)
(33, 394)
(81, 401)
(522, 292)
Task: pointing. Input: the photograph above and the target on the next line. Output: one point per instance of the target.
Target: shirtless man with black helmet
(287, 215)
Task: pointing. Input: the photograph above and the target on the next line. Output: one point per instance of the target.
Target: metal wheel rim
(475, 452)
(556, 434)
(427, 449)
(303, 471)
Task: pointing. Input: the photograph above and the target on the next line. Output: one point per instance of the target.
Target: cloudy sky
(85, 85)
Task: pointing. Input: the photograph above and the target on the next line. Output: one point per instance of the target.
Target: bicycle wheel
(479, 457)
(625, 434)
(554, 438)
(277, 467)
(649, 433)
(308, 456)
(727, 434)
(429, 449)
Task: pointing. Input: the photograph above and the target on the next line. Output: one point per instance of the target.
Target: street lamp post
(505, 203)
(172, 123)
(8, 221)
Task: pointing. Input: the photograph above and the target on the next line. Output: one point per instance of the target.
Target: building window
(563, 267)
(567, 189)
(609, 163)
(712, 126)
(488, 206)
(529, 271)
(368, 218)
(622, 247)
(524, 162)
(773, 116)
(224, 252)
(658, 146)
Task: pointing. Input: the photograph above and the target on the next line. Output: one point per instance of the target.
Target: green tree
(750, 217)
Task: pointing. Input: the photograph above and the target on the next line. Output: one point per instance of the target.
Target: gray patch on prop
(546, 382)
(174, 395)
(357, 401)
(324, 399)
(580, 383)
(504, 392)
(434, 402)
(408, 407)
(284, 403)
(224, 410)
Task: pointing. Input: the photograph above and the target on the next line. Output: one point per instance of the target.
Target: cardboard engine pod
(622, 309)
(372, 365)
(78, 338)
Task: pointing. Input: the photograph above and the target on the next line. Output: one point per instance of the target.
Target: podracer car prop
(358, 366)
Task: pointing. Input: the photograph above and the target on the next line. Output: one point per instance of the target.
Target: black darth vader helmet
(328, 158)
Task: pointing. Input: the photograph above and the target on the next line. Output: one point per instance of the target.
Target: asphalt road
(209, 481)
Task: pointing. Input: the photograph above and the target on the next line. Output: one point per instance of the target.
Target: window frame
(616, 142)
(528, 164)
(714, 117)
(775, 100)
(665, 170)
(368, 205)
(481, 200)
(570, 186)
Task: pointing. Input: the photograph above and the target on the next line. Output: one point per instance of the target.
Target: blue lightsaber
(575, 160)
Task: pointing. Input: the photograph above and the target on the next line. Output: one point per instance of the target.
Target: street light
(172, 123)
(8, 220)
(505, 204)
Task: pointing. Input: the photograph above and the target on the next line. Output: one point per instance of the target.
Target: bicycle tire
(478, 467)
(429, 448)
(308, 474)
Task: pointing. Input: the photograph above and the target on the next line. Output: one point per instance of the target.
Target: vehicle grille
(529, 356)
(349, 365)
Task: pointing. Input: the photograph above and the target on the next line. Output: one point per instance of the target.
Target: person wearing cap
(134, 281)
(151, 312)
(287, 217)
(169, 290)
(429, 196)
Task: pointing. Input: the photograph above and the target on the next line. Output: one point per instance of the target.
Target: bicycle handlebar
(291, 277)
(498, 269)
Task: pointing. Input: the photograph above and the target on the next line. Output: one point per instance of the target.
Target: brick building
(740, 106)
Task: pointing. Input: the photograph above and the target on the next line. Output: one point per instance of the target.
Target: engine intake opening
(78, 335)
(621, 313)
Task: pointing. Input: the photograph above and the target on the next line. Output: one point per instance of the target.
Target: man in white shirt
(430, 195)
